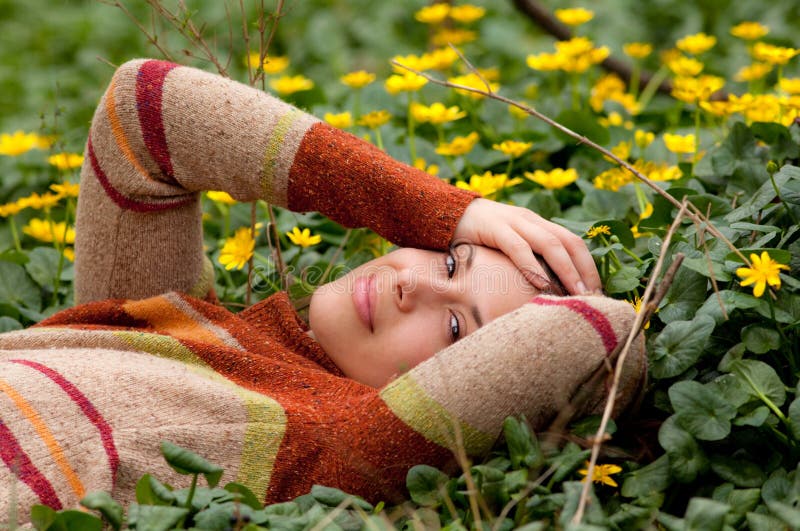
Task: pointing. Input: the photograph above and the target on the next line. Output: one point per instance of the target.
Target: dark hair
(555, 287)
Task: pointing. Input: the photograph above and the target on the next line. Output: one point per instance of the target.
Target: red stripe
(149, 92)
(21, 465)
(121, 200)
(88, 409)
(592, 315)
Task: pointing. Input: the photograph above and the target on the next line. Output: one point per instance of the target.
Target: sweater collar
(276, 317)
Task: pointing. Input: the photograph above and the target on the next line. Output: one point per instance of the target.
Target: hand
(518, 232)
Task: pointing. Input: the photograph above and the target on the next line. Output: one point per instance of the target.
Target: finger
(550, 247)
(519, 251)
(581, 258)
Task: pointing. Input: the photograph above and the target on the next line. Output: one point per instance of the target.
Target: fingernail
(540, 282)
(582, 288)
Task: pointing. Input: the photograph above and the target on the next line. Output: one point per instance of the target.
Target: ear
(531, 361)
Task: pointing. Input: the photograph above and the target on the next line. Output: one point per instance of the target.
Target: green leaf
(425, 485)
(43, 265)
(186, 462)
(523, 447)
(600, 204)
(17, 287)
(760, 380)
(245, 495)
(757, 417)
(71, 520)
(103, 502)
(763, 196)
(7, 324)
(679, 346)
(785, 512)
(759, 339)
(794, 418)
(648, 480)
(704, 514)
(155, 517)
(778, 137)
(594, 510)
(42, 516)
(763, 522)
(686, 458)
(731, 300)
(223, 516)
(570, 458)
(740, 472)
(583, 122)
(333, 497)
(150, 491)
(700, 411)
(687, 293)
(779, 255)
(626, 278)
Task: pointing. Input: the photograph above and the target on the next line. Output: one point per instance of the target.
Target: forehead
(494, 283)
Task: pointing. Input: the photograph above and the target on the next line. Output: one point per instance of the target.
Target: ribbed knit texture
(86, 396)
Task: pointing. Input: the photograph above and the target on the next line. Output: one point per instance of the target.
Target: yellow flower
(38, 202)
(420, 164)
(303, 238)
(286, 85)
(596, 231)
(466, 13)
(753, 72)
(579, 54)
(574, 16)
(270, 65)
(749, 30)
(446, 36)
(10, 209)
(69, 253)
(66, 189)
(612, 179)
(19, 143)
(436, 113)
(680, 144)
(717, 108)
(637, 50)
(518, 113)
(774, 55)
(790, 85)
(238, 249)
(554, 179)
(765, 271)
(697, 43)
(439, 59)
(358, 79)
(433, 14)
(545, 61)
(221, 197)
(637, 304)
(512, 148)
(614, 120)
(375, 119)
(602, 474)
(685, 66)
(694, 90)
(488, 184)
(460, 145)
(408, 81)
(758, 108)
(49, 231)
(342, 120)
(661, 172)
(65, 161)
(622, 150)
(643, 138)
(414, 62)
(474, 81)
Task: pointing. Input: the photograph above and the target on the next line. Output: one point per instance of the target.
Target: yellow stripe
(411, 404)
(47, 436)
(273, 149)
(119, 132)
(164, 316)
(266, 418)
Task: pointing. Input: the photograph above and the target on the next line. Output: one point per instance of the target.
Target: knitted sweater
(86, 396)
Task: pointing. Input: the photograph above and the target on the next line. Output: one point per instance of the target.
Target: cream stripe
(266, 418)
(271, 187)
(411, 404)
(119, 131)
(56, 452)
(223, 335)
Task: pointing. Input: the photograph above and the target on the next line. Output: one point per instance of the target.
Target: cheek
(410, 341)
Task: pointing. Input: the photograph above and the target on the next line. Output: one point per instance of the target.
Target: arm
(162, 133)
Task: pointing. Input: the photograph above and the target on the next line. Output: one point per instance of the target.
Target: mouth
(364, 299)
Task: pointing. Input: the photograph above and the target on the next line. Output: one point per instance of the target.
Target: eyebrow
(476, 314)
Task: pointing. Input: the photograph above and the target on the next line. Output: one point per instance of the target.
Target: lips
(364, 300)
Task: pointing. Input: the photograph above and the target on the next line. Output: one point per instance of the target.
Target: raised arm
(164, 132)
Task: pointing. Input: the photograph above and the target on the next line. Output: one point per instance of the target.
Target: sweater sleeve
(163, 132)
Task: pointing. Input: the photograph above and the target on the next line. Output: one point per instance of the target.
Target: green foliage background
(717, 443)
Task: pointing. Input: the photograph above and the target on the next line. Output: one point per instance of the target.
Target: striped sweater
(86, 396)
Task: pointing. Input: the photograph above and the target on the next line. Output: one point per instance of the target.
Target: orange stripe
(119, 132)
(47, 436)
(166, 318)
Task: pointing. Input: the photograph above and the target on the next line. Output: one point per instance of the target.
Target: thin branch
(638, 323)
(153, 39)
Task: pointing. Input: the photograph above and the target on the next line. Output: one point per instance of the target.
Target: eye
(450, 263)
(455, 327)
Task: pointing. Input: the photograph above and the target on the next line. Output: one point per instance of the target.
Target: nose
(418, 286)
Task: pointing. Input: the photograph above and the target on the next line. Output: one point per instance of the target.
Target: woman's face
(386, 316)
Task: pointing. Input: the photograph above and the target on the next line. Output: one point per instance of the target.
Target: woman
(351, 399)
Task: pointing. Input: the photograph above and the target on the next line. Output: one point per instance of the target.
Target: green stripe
(205, 282)
(274, 146)
(411, 404)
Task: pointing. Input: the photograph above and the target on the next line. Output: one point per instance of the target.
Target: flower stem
(412, 144)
